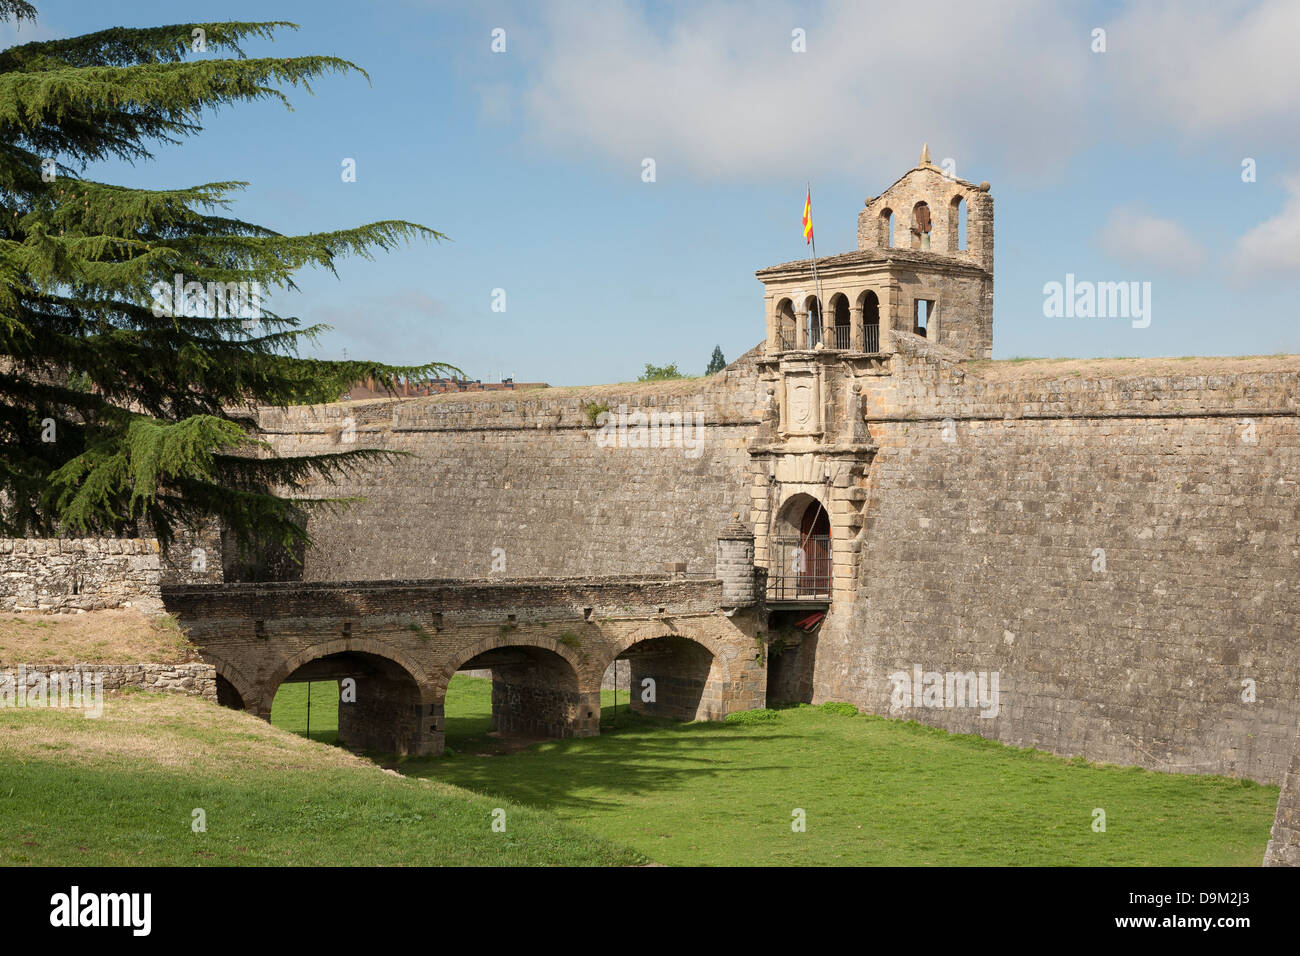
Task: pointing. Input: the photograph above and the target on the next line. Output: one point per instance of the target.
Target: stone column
(855, 328)
(890, 319)
(735, 564)
(801, 329)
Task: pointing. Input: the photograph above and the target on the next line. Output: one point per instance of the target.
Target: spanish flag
(807, 219)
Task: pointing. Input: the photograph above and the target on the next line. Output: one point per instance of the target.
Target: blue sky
(1122, 165)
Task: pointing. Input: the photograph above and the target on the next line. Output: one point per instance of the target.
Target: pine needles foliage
(122, 405)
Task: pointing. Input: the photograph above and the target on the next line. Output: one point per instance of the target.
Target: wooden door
(815, 538)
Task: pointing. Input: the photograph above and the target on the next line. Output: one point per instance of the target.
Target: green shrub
(760, 715)
(840, 707)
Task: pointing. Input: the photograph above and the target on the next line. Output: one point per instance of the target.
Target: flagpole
(821, 302)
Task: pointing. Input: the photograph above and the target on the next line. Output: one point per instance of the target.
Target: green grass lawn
(289, 709)
(874, 791)
(121, 790)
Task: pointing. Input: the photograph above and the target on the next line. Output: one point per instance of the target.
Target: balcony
(837, 337)
(800, 569)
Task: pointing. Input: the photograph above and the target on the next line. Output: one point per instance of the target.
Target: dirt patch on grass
(162, 730)
(96, 637)
(1017, 369)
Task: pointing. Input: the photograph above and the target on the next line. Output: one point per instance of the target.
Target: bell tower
(923, 268)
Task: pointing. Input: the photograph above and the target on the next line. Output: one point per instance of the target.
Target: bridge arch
(540, 687)
(690, 672)
(244, 691)
(390, 711)
(443, 678)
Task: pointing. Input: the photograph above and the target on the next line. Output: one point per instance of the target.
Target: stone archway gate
(548, 643)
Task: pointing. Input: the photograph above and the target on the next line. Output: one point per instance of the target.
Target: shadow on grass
(634, 755)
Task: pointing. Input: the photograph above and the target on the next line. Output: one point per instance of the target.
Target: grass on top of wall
(118, 636)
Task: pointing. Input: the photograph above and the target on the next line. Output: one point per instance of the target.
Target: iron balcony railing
(800, 569)
(839, 337)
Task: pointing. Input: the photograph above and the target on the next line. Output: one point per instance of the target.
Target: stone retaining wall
(191, 679)
(1284, 842)
(91, 574)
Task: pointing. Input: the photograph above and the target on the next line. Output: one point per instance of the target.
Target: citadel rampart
(986, 508)
(1122, 550)
(533, 476)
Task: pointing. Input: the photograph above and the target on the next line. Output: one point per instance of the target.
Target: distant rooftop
(361, 391)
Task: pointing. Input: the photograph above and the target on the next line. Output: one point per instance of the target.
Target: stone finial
(925, 155)
(736, 529)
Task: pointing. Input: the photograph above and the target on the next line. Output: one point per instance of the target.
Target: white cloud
(1135, 236)
(1273, 247)
(714, 90)
(718, 92)
(1209, 67)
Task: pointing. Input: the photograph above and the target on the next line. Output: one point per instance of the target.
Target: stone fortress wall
(1123, 551)
(533, 476)
(1284, 840)
(986, 505)
(1115, 542)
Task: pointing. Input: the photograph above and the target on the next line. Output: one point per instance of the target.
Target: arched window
(840, 309)
(785, 325)
(870, 321)
(800, 563)
(957, 224)
(814, 321)
(887, 228)
(921, 226)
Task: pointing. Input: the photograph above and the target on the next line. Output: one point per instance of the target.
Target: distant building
(437, 386)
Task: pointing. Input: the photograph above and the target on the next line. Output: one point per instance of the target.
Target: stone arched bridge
(547, 643)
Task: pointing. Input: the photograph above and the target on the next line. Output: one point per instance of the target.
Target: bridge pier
(387, 717)
(537, 710)
(686, 681)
